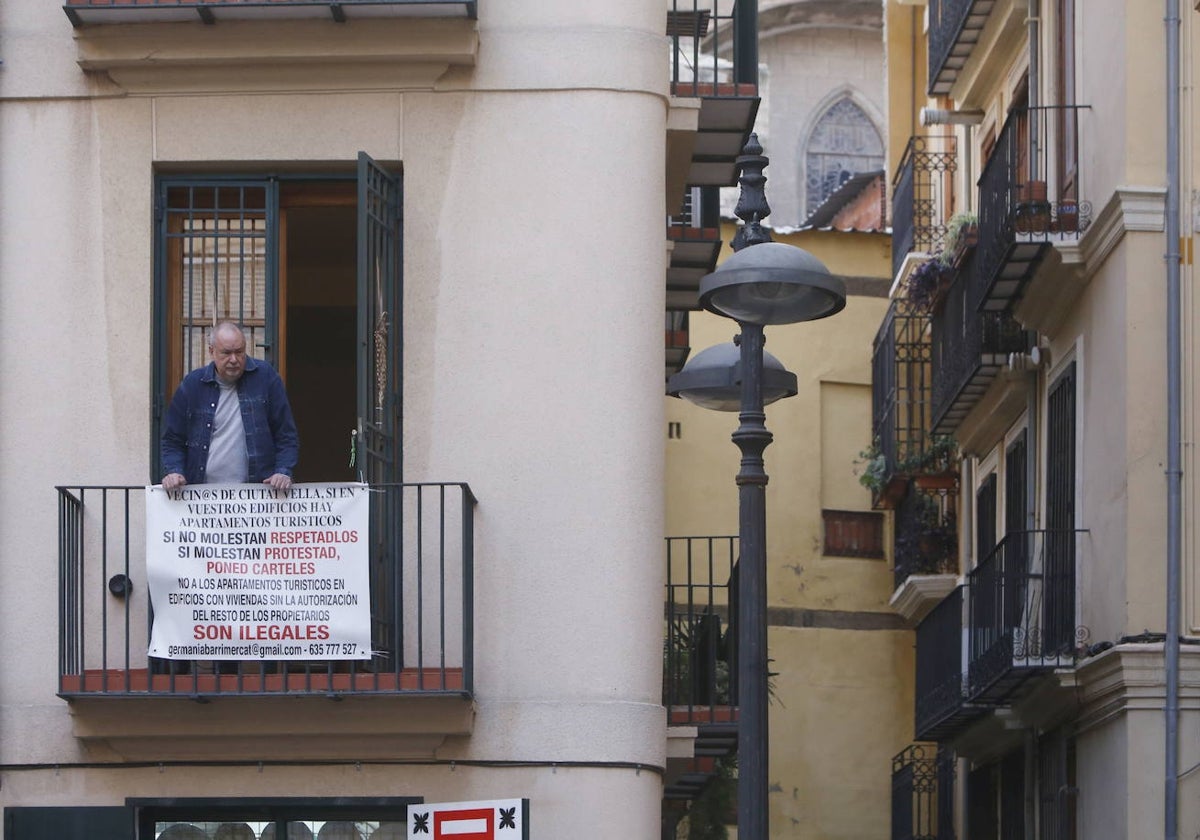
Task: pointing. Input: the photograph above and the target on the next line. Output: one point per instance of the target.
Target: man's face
(229, 354)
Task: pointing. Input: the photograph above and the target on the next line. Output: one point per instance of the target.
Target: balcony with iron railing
(421, 614)
(700, 655)
(954, 30)
(1022, 612)
(926, 528)
(923, 793)
(714, 58)
(1022, 214)
(941, 707)
(970, 345)
(903, 444)
(919, 190)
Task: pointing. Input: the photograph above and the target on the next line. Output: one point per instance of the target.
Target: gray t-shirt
(227, 462)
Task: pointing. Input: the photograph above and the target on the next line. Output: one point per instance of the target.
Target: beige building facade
(443, 222)
(1029, 336)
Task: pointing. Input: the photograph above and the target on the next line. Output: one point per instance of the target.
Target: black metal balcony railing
(1022, 612)
(919, 188)
(1020, 213)
(703, 33)
(421, 606)
(940, 697)
(699, 648)
(927, 531)
(969, 347)
(923, 793)
(954, 27)
(901, 387)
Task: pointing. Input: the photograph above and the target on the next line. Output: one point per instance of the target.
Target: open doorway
(318, 302)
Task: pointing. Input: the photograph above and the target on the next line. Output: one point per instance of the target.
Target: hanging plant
(926, 283)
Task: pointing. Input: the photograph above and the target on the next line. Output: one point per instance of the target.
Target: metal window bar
(1060, 499)
(1022, 609)
(1056, 786)
(216, 240)
(920, 189)
(699, 650)
(101, 640)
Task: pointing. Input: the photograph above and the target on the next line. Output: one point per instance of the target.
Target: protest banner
(242, 571)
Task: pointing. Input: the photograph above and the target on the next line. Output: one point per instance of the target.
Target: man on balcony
(229, 421)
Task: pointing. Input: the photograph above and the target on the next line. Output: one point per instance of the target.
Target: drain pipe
(1174, 459)
(1033, 21)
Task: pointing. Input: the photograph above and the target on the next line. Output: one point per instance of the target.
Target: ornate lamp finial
(752, 205)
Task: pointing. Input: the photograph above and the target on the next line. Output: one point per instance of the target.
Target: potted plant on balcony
(871, 468)
(927, 283)
(1068, 215)
(936, 460)
(962, 234)
(937, 542)
(1032, 211)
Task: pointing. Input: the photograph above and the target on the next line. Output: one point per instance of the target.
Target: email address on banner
(261, 651)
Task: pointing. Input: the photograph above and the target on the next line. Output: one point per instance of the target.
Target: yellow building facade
(842, 689)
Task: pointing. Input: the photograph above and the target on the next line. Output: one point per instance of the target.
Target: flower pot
(1068, 216)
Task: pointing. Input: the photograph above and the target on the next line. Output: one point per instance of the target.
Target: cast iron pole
(752, 438)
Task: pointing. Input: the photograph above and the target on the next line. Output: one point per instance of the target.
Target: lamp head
(772, 283)
(713, 379)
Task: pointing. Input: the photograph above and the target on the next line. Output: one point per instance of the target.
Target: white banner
(241, 571)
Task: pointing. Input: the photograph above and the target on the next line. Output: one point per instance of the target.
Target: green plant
(873, 464)
(937, 457)
(957, 232)
(715, 806)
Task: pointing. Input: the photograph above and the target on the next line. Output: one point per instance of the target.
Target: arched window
(843, 143)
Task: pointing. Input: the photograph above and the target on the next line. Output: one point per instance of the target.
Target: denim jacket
(272, 444)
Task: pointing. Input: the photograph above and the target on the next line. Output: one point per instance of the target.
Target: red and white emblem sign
(498, 819)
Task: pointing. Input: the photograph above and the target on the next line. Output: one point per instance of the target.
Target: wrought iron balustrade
(919, 190)
(1022, 611)
(709, 53)
(901, 388)
(954, 27)
(940, 691)
(699, 647)
(926, 527)
(970, 345)
(421, 605)
(1021, 211)
(923, 793)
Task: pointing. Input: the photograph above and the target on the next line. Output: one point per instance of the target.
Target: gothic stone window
(843, 143)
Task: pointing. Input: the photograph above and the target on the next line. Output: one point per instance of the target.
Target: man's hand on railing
(173, 481)
(279, 481)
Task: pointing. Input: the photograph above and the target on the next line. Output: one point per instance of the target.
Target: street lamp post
(763, 283)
